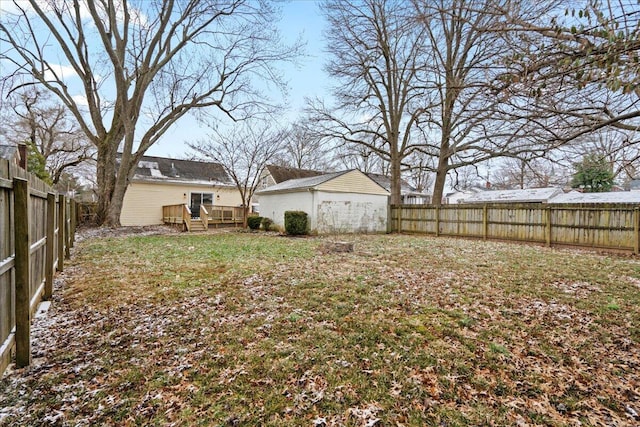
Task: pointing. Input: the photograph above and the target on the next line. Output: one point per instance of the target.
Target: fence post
(62, 224)
(548, 224)
(67, 229)
(72, 226)
(389, 218)
(22, 279)
(437, 221)
(636, 230)
(51, 224)
(485, 222)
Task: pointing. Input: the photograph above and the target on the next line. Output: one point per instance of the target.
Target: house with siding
(338, 202)
(529, 195)
(160, 181)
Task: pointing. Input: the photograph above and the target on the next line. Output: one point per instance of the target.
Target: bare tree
(243, 151)
(305, 148)
(138, 66)
(577, 71)
(466, 45)
(50, 130)
(377, 59)
(529, 172)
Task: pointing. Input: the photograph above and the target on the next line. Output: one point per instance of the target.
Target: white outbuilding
(339, 202)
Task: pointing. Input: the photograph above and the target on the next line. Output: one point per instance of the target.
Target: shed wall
(350, 213)
(353, 182)
(273, 206)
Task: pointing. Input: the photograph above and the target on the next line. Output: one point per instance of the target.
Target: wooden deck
(210, 216)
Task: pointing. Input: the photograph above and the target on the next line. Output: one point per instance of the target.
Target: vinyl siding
(352, 182)
(143, 201)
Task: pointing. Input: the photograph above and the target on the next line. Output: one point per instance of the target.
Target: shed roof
(608, 197)
(312, 182)
(530, 195)
(161, 169)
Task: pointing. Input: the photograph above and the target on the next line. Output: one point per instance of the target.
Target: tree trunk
(396, 187)
(441, 179)
(105, 174)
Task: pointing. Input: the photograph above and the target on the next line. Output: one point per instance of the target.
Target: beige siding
(143, 201)
(352, 182)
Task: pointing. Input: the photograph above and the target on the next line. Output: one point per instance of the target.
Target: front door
(198, 199)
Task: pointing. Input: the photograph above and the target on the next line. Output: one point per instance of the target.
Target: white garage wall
(350, 213)
(273, 206)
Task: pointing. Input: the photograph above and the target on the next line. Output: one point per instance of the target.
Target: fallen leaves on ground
(254, 329)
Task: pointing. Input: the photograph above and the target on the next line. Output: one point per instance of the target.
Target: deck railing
(204, 216)
(219, 215)
(209, 215)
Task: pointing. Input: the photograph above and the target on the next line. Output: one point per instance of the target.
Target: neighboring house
(530, 195)
(16, 154)
(160, 181)
(456, 197)
(607, 197)
(272, 175)
(339, 202)
(408, 193)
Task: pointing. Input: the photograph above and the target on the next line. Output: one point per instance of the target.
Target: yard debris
(336, 247)
(248, 329)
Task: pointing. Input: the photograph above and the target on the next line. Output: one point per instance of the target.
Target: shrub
(254, 222)
(296, 222)
(267, 223)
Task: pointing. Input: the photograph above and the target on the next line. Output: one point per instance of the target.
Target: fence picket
(610, 226)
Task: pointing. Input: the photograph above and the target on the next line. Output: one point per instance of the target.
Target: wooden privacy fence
(605, 226)
(37, 228)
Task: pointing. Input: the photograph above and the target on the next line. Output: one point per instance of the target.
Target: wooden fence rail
(37, 228)
(602, 226)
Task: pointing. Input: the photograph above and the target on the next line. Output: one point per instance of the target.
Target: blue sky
(299, 18)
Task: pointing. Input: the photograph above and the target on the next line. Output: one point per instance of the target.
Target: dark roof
(281, 174)
(165, 169)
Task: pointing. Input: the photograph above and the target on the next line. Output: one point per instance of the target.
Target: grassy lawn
(252, 329)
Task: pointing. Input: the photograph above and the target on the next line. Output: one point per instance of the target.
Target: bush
(254, 222)
(296, 222)
(267, 223)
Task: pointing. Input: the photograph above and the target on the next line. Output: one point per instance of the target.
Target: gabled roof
(161, 169)
(313, 182)
(302, 183)
(608, 197)
(281, 174)
(530, 195)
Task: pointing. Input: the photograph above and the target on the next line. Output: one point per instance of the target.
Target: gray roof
(384, 181)
(531, 195)
(608, 197)
(8, 152)
(161, 169)
(301, 183)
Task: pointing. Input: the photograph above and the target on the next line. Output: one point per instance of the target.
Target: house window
(198, 199)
